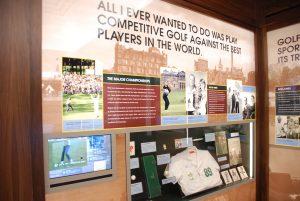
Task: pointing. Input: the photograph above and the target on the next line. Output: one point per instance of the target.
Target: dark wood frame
(21, 149)
(271, 21)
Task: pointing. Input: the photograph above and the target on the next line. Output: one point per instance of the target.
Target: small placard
(132, 148)
(163, 159)
(225, 166)
(242, 172)
(136, 188)
(148, 147)
(223, 158)
(234, 175)
(169, 180)
(183, 143)
(226, 177)
(209, 137)
(234, 134)
(134, 163)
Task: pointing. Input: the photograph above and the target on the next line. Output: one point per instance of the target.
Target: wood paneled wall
(278, 13)
(239, 12)
(262, 132)
(21, 152)
(272, 14)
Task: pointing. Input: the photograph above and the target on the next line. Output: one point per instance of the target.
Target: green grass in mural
(83, 107)
(177, 104)
(77, 153)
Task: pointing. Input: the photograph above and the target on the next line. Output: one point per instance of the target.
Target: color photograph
(65, 153)
(172, 92)
(82, 90)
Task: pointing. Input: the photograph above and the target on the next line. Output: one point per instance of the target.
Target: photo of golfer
(196, 93)
(234, 96)
(96, 99)
(67, 152)
(166, 92)
(82, 90)
(68, 104)
(172, 91)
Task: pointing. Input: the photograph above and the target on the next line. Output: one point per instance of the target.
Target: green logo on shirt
(208, 172)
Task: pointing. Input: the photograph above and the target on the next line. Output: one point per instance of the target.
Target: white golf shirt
(195, 170)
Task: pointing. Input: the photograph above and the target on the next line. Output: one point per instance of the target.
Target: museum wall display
(113, 98)
(128, 52)
(144, 69)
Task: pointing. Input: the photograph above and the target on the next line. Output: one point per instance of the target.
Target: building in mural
(279, 73)
(131, 61)
(220, 74)
(174, 77)
(148, 63)
(201, 65)
(250, 79)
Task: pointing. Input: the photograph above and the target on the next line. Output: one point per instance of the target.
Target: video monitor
(69, 156)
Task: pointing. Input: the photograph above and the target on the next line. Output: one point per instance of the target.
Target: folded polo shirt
(195, 170)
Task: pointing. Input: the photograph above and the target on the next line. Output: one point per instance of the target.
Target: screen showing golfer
(78, 155)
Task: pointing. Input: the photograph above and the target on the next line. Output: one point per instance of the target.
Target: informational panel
(284, 105)
(130, 101)
(284, 85)
(111, 64)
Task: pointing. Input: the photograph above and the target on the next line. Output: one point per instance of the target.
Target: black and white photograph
(248, 105)
(287, 127)
(196, 93)
(234, 96)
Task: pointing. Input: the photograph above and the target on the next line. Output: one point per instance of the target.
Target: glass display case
(188, 163)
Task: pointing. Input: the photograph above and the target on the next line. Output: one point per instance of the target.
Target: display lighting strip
(251, 150)
(187, 136)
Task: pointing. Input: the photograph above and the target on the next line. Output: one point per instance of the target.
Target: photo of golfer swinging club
(82, 90)
(68, 152)
(172, 92)
(78, 155)
(196, 93)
